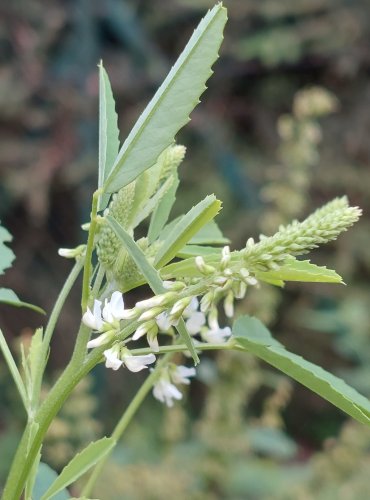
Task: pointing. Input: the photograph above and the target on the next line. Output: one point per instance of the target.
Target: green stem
(89, 251)
(125, 420)
(98, 280)
(76, 369)
(73, 275)
(183, 348)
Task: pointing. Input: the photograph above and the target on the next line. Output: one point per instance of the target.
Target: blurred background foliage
(282, 128)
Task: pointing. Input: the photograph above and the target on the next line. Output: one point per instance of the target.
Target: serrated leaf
(44, 478)
(108, 132)
(186, 228)
(172, 104)
(7, 296)
(6, 254)
(254, 337)
(300, 270)
(162, 211)
(151, 275)
(13, 369)
(81, 463)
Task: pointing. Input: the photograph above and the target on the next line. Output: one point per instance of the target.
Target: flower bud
(203, 267)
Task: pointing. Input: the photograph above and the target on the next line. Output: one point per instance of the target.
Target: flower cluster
(165, 389)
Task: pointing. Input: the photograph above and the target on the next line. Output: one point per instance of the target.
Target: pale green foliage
(108, 131)
(79, 464)
(254, 337)
(170, 107)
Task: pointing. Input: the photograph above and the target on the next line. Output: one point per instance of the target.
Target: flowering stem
(89, 251)
(28, 449)
(126, 419)
(73, 275)
(183, 348)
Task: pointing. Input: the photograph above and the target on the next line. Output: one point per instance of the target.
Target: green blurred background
(282, 129)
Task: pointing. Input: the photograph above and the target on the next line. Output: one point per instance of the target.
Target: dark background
(49, 52)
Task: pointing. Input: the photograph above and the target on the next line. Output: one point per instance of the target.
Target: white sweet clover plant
(138, 181)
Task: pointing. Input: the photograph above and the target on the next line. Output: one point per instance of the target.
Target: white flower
(102, 320)
(93, 319)
(194, 319)
(113, 309)
(193, 306)
(105, 321)
(112, 359)
(181, 374)
(216, 335)
(163, 322)
(166, 392)
(137, 363)
(104, 338)
(195, 322)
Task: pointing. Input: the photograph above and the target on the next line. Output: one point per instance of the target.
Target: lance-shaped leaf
(300, 270)
(108, 132)
(254, 337)
(9, 297)
(151, 275)
(81, 463)
(172, 104)
(186, 228)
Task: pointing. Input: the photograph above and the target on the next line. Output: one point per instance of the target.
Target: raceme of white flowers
(196, 299)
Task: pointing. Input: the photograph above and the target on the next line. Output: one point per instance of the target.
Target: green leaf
(254, 337)
(151, 275)
(44, 478)
(193, 250)
(300, 270)
(13, 370)
(170, 107)
(81, 463)
(210, 234)
(108, 132)
(7, 296)
(162, 211)
(6, 254)
(186, 228)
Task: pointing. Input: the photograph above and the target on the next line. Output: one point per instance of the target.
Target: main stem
(89, 251)
(125, 420)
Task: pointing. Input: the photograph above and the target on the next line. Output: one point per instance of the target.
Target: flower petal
(182, 373)
(93, 319)
(138, 363)
(166, 392)
(112, 360)
(195, 322)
